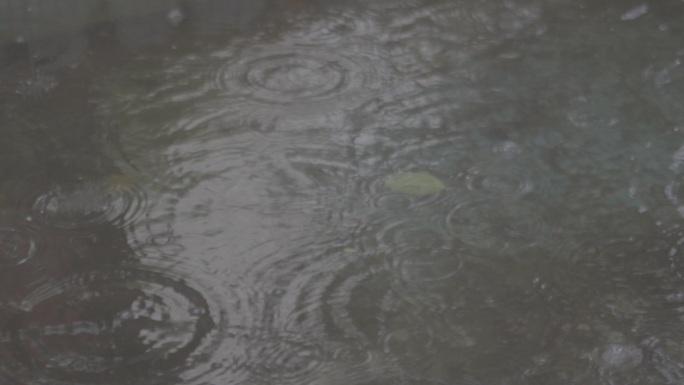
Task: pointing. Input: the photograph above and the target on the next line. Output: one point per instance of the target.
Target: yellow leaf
(414, 183)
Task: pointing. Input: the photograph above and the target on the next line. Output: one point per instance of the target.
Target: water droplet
(175, 16)
(635, 13)
(619, 356)
(18, 245)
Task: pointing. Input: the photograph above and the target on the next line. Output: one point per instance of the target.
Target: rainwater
(319, 192)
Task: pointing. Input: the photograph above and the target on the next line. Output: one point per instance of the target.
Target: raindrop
(160, 239)
(619, 356)
(668, 82)
(498, 180)
(507, 149)
(635, 12)
(18, 245)
(175, 16)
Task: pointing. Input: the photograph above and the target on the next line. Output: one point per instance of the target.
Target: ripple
(465, 306)
(621, 357)
(357, 364)
(390, 5)
(336, 294)
(89, 203)
(427, 55)
(18, 245)
(141, 24)
(291, 77)
(489, 306)
(325, 165)
(634, 279)
(667, 358)
(428, 269)
(669, 83)
(281, 79)
(498, 180)
(622, 258)
(497, 225)
(129, 324)
(277, 357)
(36, 84)
(349, 303)
(332, 27)
(674, 191)
(162, 244)
(395, 236)
(126, 325)
(415, 110)
(490, 23)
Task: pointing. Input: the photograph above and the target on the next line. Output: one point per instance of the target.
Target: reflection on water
(322, 192)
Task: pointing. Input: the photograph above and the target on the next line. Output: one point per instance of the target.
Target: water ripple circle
(335, 294)
(427, 269)
(281, 357)
(637, 276)
(299, 77)
(498, 181)
(343, 303)
(490, 224)
(415, 236)
(89, 203)
(128, 325)
(333, 27)
(486, 307)
(668, 82)
(18, 245)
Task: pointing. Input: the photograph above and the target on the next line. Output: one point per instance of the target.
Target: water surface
(318, 192)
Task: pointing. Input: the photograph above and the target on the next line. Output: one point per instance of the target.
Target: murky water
(413, 192)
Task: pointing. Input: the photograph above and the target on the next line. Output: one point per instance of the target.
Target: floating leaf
(121, 181)
(414, 183)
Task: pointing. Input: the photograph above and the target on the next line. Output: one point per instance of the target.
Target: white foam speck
(635, 12)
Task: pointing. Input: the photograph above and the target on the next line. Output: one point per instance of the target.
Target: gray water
(386, 192)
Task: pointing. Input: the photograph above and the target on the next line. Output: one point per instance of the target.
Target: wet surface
(321, 192)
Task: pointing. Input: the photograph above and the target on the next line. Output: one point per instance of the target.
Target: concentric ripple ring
(287, 77)
(127, 325)
(88, 203)
(18, 245)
